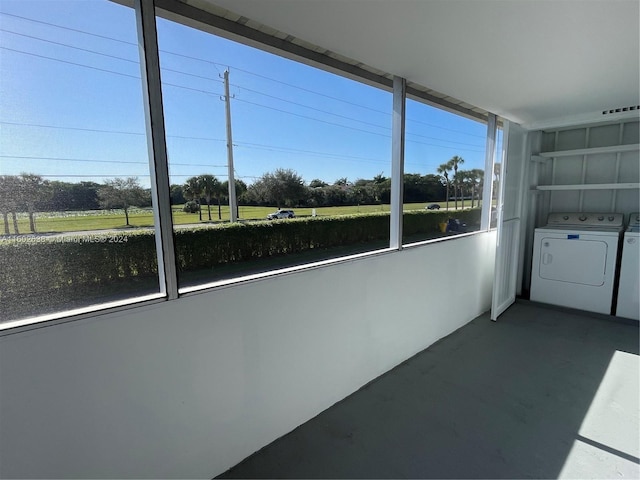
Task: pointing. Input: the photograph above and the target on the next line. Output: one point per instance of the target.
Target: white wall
(190, 387)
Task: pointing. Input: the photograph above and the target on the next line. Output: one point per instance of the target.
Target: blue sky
(71, 107)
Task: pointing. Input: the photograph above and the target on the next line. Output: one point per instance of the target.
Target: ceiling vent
(623, 109)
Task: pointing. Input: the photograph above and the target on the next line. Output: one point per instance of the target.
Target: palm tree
(192, 192)
(455, 161)
(208, 187)
(444, 170)
(222, 191)
(462, 179)
(478, 181)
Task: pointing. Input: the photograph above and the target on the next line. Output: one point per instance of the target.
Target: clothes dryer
(574, 260)
(628, 305)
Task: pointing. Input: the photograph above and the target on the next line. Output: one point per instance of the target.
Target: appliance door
(573, 260)
(629, 290)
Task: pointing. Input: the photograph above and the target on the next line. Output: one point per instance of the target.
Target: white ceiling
(530, 61)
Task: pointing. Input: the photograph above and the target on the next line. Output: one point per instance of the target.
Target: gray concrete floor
(542, 393)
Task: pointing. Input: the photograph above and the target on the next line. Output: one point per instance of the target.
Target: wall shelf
(590, 186)
(590, 151)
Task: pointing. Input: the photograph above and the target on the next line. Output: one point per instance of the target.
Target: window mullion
(156, 144)
(397, 160)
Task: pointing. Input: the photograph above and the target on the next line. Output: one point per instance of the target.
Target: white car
(281, 214)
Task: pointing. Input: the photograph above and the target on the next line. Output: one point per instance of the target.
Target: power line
(96, 130)
(95, 52)
(334, 157)
(311, 118)
(312, 91)
(188, 57)
(443, 140)
(357, 120)
(251, 90)
(71, 128)
(238, 143)
(90, 160)
(208, 92)
(263, 106)
(444, 128)
(68, 28)
(297, 150)
(174, 71)
(311, 108)
(178, 72)
(67, 45)
(354, 128)
(215, 64)
(70, 63)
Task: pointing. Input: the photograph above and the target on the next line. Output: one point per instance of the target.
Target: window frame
(146, 12)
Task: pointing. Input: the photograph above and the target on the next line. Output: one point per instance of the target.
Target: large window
(272, 164)
(444, 173)
(77, 224)
(311, 157)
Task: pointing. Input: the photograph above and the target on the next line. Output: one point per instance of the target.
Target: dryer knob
(611, 218)
(600, 218)
(566, 217)
(582, 218)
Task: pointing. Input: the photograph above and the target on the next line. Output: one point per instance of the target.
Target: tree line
(31, 193)
(285, 188)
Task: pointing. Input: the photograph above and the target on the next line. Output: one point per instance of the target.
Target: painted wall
(189, 388)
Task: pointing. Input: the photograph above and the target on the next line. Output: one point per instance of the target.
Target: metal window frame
(146, 12)
(156, 145)
(397, 160)
(489, 159)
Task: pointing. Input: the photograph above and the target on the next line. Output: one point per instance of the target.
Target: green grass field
(85, 221)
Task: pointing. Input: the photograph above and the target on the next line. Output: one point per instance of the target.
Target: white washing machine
(628, 305)
(574, 260)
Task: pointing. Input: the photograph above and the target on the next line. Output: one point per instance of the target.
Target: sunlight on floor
(608, 444)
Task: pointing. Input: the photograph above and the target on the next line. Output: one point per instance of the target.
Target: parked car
(281, 214)
(433, 206)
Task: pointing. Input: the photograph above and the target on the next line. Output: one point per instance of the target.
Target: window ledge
(207, 287)
(31, 323)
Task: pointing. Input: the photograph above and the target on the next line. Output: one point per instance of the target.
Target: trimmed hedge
(38, 270)
(77, 265)
(200, 248)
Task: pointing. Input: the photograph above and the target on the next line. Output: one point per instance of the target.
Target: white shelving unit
(591, 151)
(617, 149)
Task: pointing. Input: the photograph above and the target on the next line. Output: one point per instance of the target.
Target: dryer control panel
(585, 219)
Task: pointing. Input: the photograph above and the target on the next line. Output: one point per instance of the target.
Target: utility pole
(233, 211)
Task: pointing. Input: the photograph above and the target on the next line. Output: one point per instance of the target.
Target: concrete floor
(542, 393)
